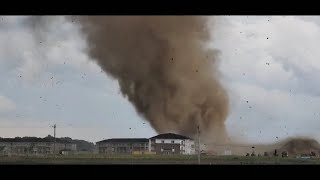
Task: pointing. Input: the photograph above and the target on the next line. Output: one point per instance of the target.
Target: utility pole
(198, 144)
(54, 140)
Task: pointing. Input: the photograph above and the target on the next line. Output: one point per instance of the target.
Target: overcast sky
(271, 62)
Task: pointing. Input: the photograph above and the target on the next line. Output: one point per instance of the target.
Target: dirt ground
(155, 159)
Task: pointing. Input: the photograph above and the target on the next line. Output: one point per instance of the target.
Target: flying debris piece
(267, 38)
(250, 107)
(197, 70)
(40, 97)
(240, 32)
(247, 101)
(267, 63)
(51, 77)
(277, 137)
(243, 73)
(240, 117)
(20, 76)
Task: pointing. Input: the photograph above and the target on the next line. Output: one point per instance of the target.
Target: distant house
(33, 145)
(123, 145)
(170, 143)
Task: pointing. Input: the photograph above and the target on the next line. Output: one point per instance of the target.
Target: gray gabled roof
(125, 140)
(169, 136)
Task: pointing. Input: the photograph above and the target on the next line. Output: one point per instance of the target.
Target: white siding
(189, 147)
(168, 141)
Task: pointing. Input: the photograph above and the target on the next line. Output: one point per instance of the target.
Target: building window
(172, 142)
(162, 141)
(182, 142)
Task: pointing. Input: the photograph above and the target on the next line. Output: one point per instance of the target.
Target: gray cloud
(6, 104)
(283, 94)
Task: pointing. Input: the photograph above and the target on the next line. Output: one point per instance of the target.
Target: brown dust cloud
(164, 69)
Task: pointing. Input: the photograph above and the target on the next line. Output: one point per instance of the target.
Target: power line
(54, 143)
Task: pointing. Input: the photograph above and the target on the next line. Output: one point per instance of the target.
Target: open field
(153, 159)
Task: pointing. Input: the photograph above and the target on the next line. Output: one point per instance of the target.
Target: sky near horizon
(269, 64)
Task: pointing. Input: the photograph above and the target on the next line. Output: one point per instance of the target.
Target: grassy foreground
(153, 159)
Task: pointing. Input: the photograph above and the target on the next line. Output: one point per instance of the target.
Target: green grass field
(153, 159)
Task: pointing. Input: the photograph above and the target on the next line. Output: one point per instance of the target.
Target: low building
(4, 150)
(170, 143)
(123, 146)
(33, 145)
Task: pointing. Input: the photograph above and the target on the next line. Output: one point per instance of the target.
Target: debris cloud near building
(164, 69)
